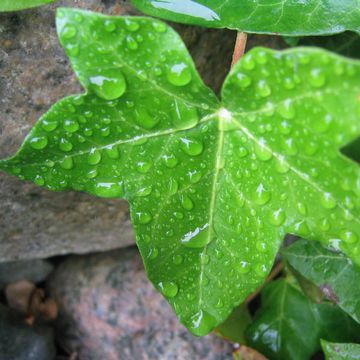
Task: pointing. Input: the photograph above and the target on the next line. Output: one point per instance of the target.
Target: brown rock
(109, 310)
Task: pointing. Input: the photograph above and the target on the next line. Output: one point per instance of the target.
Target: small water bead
(290, 147)
(112, 152)
(287, 109)
(178, 259)
(159, 27)
(197, 238)
(186, 202)
(39, 180)
(68, 32)
(92, 174)
(324, 224)
(132, 25)
(173, 186)
(94, 157)
(108, 189)
(263, 89)
(49, 125)
(243, 267)
(109, 87)
(261, 196)
(145, 191)
(145, 119)
(328, 201)
(170, 161)
(143, 217)
(281, 165)
(317, 78)
(72, 49)
(242, 152)
(277, 217)
(244, 81)
(248, 62)
(143, 166)
(261, 151)
(201, 323)
(349, 237)
(71, 126)
(179, 74)
(153, 253)
(192, 147)
(301, 207)
(194, 176)
(38, 142)
(131, 43)
(168, 288)
(67, 163)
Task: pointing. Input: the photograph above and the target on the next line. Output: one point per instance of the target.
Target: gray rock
(19, 341)
(33, 270)
(109, 310)
(35, 73)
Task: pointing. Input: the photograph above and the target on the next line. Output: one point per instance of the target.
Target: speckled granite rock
(34, 73)
(109, 310)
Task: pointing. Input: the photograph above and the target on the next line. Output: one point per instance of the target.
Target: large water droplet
(278, 217)
(71, 126)
(67, 163)
(192, 147)
(168, 288)
(201, 323)
(94, 157)
(261, 195)
(186, 202)
(108, 189)
(349, 237)
(68, 32)
(328, 201)
(197, 238)
(38, 142)
(179, 74)
(261, 151)
(109, 87)
(49, 125)
(263, 89)
(184, 116)
(145, 119)
(143, 217)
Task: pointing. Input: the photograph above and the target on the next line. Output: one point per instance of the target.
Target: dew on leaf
(328, 201)
(349, 237)
(109, 26)
(131, 43)
(170, 161)
(143, 166)
(197, 238)
(145, 119)
(38, 142)
(261, 196)
(317, 78)
(153, 253)
(143, 217)
(184, 116)
(108, 189)
(179, 74)
(277, 217)
(192, 147)
(71, 126)
(69, 31)
(39, 180)
(261, 151)
(178, 259)
(112, 152)
(173, 186)
(201, 323)
(286, 109)
(109, 87)
(244, 81)
(67, 163)
(168, 288)
(49, 125)
(263, 89)
(186, 202)
(243, 267)
(94, 157)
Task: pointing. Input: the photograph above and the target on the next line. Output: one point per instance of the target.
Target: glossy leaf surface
(213, 187)
(336, 275)
(340, 351)
(13, 5)
(290, 326)
(311, 17)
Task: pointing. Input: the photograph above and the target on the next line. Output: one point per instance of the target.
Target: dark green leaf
(213, 187)
(341, 351)
(290, 326)
(335, 274)
(235, 325)
(13, 5)
(310, 17)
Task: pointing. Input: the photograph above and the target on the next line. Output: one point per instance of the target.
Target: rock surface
(35, 73)
(109, 310)
(23, 342)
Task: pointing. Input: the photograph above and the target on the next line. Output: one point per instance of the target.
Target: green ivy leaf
(290, 326)
(335, 274)
(213, 187)
(14, 5)
(301, 18)
(340, 351)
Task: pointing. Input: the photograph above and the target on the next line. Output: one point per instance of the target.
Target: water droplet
(68, 32)
(179, 74)
(112, 152)
(38, 142)
(349, 237)
(197, 238)
(328, 201)
(184, 116)
(287, 109)
(261, 151)
(145, 119)
(173, 186)
(67, 163)
(317, 78)
(263, 89)
(145, 191)
(186, 202)
(178, 259)
(71, 126)
(278, 217)
(153, 253)
(168, 288)
(109, 87)
(39, 180)
(243, 267)
(244, 81)
(109, 26)
(302, 208)
(281, 165)
(143, 167)
(201, 323)
(49, 125)
(108, 189)
(131, 25)
(242, 152)
(194, 176)
(94, 157)
(131, 43)
(159, 26)
(192, 147)
(170, 161)
(261, 195)
(143, 217)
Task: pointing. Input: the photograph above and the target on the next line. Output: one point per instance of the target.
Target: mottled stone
(32, 270)
(19, 341)
(35, 73)
(109, 310)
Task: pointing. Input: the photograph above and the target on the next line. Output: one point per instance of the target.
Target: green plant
(214, 186)
(13, 5)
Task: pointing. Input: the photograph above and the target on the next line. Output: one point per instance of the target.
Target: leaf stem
(239, 49)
